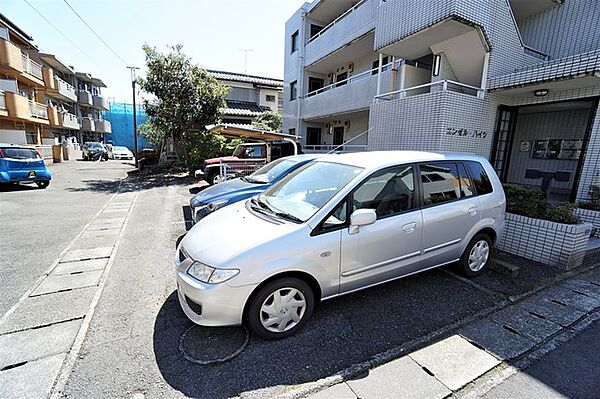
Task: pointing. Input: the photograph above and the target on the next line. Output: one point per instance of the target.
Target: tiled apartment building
(249, 97)
(515, 80)
(43, 100)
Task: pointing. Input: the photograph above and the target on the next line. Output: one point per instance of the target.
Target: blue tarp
(120, 116)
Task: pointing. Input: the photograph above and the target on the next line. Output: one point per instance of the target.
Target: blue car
(231, 191)
(20, 163)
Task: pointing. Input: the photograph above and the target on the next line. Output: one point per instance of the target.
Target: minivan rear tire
(288, 285)
(468, 267)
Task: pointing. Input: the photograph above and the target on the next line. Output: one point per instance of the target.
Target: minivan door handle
(409, 227)
(473, 211)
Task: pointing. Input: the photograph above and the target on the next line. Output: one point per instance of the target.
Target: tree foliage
(184, 99)
(268, 121)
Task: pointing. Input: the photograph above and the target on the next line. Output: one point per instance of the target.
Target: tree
(185, 99)
(268, 121)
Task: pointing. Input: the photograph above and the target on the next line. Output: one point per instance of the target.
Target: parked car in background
(245, 159)
(333, 226)
(232, 191)
(94, 151)
(120, 152)
(22, 164)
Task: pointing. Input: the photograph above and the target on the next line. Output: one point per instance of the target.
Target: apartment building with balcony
(90, 108)
(23, 112)
(515, 80)
(249, 96)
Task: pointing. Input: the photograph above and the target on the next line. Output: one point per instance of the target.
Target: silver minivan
(338, 224)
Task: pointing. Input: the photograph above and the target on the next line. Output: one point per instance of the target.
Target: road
(37, 225)
(140, 342)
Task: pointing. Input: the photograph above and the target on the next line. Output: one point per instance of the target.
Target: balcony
(349, 26)
(102, 126)
(70, 121)
(64, 90)
(38, 111)
(85, 98)
(17, 106)
(10, 56)
(32, 68)
(87, 124)
(16, 63)
(349, 95)
(100, 102)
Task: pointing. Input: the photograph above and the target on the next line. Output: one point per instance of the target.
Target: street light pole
(135, 137)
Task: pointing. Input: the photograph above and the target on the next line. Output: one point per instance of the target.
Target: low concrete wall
(556, 244)
(589, 216)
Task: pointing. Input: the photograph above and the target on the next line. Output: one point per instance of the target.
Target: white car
(119, 152)
(333, 226)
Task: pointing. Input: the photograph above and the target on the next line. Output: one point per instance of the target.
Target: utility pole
(246, 51)
(135, 138)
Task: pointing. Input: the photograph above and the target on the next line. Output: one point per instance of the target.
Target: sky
(212, 33)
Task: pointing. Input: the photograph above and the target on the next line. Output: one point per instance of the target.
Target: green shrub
(593, 206)
(531, 202)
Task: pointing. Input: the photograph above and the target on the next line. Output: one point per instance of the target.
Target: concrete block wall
(590, 216)
(555, 244)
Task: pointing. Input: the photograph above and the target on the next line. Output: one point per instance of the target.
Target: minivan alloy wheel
(479, 255)
(282, 310)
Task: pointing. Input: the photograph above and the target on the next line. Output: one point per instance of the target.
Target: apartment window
(315, 84)
(315, 29)
(341, 78)
(31, 137)
(313, 136)
(292, 132)
(293, 90)
(294, 41)
(270, 98)
(375, 68)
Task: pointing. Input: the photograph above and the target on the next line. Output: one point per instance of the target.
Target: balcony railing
(102, 126)
(352, 24)
(433, 87)
(70, 121)
(65, 88)
(31, 67)
(87, 124)
(38, 110)
(85, 97)
(100, 102)
(2, 101)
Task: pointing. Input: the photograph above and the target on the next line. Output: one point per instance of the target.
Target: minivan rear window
(19, 153)
(483, 185)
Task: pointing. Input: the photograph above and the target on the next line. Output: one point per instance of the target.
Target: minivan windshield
(303, 192)
(271, 171)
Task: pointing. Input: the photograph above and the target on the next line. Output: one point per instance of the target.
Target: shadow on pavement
(8, 187)
(133, 183)
(342, 332)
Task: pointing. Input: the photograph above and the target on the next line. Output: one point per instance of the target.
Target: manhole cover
(206, 345)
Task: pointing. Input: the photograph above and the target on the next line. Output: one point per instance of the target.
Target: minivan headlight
(211, 275)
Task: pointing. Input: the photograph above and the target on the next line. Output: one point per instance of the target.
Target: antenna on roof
(246, 51)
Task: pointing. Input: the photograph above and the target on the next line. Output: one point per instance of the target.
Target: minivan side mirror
(361, 217)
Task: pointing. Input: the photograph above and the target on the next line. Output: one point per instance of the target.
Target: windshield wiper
(287, 216)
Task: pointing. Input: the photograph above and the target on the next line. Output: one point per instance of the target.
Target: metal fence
(233, 169)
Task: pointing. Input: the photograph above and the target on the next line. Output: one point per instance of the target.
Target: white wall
(13, 136)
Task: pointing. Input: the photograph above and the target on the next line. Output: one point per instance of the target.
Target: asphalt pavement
(37, 225)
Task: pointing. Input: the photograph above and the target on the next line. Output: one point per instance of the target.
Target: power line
(59, 31)
(94, 32)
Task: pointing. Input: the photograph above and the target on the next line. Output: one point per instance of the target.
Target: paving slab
(105, 224)
(44, 310)
(536, 328)
(32, 380)
(497, 340)
(64, 282)
(584, 287)
(401, 378)
(79, 266)
(102, 227)
(557, 313)
(89, 242)
(338, 391)
(108, 232)
(37, 343)
(567, 296)
(454, 361)
(109, 219)
(90, 253)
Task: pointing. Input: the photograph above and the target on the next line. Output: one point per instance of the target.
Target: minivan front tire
(280, 308)
(476, 257)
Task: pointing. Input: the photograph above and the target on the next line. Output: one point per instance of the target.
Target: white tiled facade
(455, 64)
